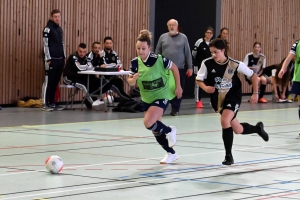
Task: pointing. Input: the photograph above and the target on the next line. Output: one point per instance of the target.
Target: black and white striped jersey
(294, 47)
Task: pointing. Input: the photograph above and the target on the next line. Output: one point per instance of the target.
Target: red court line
(15, 171)
(283, 195)
(117, 139)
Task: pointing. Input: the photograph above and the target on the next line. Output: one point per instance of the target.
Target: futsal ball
(54, 164)
(109, 99)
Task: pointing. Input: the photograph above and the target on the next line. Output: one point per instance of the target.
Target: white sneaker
(169, 157)
(171, 136)
(97, 102)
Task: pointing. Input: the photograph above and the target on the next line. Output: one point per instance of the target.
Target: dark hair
(54, 12)
(107, 38)
(145, 36)
(222, 29)
(255, 43)
(95, 43)
(210, 29)
(82, 45)
(220, 44)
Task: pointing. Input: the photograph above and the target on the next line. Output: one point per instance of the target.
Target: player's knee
(263, 80)
(149, 124)
(225, 123)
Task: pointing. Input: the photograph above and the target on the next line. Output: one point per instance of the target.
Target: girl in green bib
(159, 82)
(294, 52)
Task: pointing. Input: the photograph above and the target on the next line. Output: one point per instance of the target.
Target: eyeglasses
(209, 32)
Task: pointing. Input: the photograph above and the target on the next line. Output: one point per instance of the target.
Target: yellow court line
(39, 199)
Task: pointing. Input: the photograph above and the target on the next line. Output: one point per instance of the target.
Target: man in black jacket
(76, 62)
(108, 57)
(54, 60)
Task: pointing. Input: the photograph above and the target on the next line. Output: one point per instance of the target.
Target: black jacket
(53, 41)
(200, 52)
(74, 65)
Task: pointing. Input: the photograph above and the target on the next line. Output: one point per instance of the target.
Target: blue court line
(286, 182)
(234, 184)
(213, 166)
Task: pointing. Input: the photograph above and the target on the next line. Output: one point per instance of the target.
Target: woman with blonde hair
(158, 80)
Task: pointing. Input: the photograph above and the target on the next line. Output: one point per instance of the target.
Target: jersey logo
(204, 48)
(213, 71)
(229, 105)
(230, 71)
(223, 84)
(153, 85)
(165, 101)
(157, 102)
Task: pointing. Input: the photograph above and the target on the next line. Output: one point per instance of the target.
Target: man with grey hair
(175, 46)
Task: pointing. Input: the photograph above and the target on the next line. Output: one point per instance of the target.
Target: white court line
(231, 169)
(144, 159)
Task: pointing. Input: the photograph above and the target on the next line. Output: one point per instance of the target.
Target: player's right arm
(133, 75)
(201, 76)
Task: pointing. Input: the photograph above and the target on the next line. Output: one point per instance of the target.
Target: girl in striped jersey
(218, 76)
(256, 61)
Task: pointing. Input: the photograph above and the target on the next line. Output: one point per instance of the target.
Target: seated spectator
(283, 82)
(105, 57)
(256, 61)
(76, 62)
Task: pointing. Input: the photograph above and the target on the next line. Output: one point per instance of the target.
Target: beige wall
(21, 56)
(275, 23)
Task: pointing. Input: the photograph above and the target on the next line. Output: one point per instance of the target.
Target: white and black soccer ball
(54, 164)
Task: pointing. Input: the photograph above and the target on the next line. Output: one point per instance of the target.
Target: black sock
(227, 139)
(249, 129)
(262, 90)
(159, 127)
(162, 140)
(299, 112)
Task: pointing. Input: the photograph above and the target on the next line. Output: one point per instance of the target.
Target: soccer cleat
(174, 113)
(97, 102)
(228, 160)
(169, 157)
(55, 107)
(199, 104)
(171, 136)
(262, 133)
(47, 108)
(262, 100)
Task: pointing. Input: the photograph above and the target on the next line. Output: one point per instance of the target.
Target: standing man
(175, 46)
(201, 52)
(54, 60)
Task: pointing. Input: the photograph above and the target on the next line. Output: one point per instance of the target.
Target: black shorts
(231, 105)
(162, 103)
(296, 88)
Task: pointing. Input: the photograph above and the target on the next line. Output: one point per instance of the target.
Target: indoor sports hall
(110, 154)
